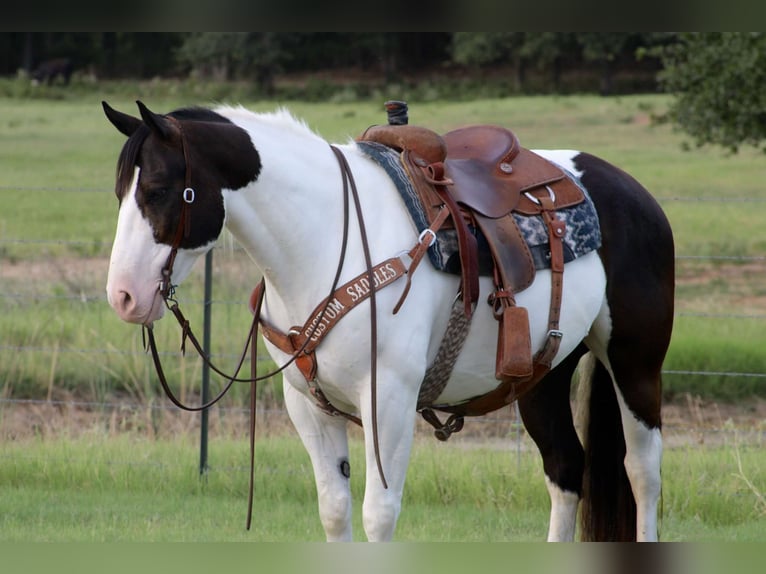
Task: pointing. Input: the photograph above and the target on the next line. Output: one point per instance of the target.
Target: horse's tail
(608, 509)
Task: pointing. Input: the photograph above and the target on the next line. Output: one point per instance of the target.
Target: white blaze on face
(135, 264)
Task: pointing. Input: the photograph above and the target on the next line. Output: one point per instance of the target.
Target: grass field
(129, 480)
(105, 488)
(57, 218)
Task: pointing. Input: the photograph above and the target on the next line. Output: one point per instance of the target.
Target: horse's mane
(281, 118)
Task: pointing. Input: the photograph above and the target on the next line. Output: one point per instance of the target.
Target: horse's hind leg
(643, 457)
(547, 416)
(326, 441)
(638, 383)
(631, 363)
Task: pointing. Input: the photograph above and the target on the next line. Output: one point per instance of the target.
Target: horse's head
(171, 174)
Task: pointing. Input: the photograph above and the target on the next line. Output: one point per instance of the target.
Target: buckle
(555, 333)
(422, 236)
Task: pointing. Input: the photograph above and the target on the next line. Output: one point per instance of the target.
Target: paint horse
(282, 191)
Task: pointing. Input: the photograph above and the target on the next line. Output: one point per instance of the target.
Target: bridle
(167, 291)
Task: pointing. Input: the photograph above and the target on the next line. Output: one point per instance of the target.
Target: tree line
(263, 56)
(718, 78)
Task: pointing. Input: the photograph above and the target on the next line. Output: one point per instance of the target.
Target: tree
(719, 80)
(232, 55)
(486, 48)
(606, 48)
(552, 52)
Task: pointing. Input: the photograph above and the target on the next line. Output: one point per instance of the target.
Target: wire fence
(86, 297)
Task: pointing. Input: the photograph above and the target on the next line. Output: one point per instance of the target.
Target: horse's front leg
(396, 426)
(326, 441)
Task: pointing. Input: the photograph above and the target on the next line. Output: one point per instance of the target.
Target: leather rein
(167, 290)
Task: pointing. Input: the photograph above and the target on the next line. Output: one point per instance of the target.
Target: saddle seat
(488, 168)
(489, 175)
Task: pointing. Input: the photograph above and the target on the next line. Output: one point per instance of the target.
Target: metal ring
(188, 195)
(551, 194)
(532, 198)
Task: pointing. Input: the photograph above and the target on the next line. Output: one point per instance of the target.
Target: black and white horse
(277, 187)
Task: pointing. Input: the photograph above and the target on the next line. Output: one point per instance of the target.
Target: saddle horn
(125, 124)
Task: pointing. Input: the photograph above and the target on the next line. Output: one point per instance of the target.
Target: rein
(167, 290)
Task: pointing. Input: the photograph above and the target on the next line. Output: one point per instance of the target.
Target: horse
(49, 70)
(278, 187)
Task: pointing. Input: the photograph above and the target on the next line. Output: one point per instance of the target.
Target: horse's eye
(156, 194)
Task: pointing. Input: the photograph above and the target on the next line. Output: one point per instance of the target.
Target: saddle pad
(583, 233)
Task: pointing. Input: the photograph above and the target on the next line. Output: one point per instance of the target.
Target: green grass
(102, 488)
(70, 144)
(722, 345)
(57, 160)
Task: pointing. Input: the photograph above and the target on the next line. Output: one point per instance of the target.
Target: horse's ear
(126, 124)
(159, 124)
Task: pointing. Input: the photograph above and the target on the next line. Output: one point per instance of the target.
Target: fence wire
(100, 299)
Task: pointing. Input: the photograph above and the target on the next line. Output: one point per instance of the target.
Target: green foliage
(229, 55)
(486, 47)
(266, 59)
(719, 79)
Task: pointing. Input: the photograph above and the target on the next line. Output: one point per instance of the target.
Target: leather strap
(556, 232)
(416, 253)
(510, 390)
(468, 248)
(303, 340)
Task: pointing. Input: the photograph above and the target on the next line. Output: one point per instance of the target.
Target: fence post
(203, 466)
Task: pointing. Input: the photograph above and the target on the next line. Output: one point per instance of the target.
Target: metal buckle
(188, 195)
(423, 234)
(555, 333)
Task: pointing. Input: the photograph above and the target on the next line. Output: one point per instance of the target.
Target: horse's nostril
(125, 299)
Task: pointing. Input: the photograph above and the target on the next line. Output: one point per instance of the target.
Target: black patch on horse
(221, 155)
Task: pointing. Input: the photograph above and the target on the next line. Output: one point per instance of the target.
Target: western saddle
(483, 175)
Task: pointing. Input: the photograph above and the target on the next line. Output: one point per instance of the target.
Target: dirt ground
(686, 422)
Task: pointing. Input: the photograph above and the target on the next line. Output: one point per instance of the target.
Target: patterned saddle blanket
(583, 233)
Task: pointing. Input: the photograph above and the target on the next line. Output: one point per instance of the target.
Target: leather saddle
(484, 176)
(489, 175)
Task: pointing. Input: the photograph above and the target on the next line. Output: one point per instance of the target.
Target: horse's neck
(290, 220)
